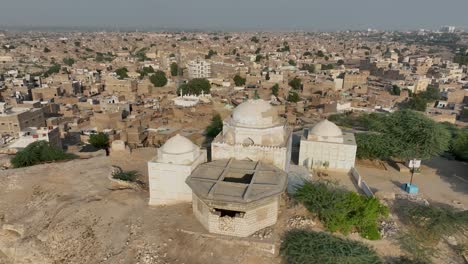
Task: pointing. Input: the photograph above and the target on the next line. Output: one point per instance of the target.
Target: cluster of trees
(158, 79)
(239, 81)
(210, 54)
(275, 89)
(55, 68)
(145, 71)
(458, 142)
(174, 69)
(419, 101)
(196, 86)
(402, 135)
(308, 67)
(122, 73)
(101, 57)
(461, 59)
(39, 152)
(215, 127)
(68, 61)
(293, 97)
(295, 83)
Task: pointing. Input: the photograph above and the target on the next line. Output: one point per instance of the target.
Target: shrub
(215, 127)
(125, 175)
(341, 210)
(158, 79)
(99, 140)
(38, 152)
(300, 246)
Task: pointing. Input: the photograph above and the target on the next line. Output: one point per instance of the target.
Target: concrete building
(254, 131)
(199, 69)
(236, 198)
(167, 172)
(15, 119)
(326, 146)
(33, 134)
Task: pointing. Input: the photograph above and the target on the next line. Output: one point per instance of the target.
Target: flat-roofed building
(15, 119)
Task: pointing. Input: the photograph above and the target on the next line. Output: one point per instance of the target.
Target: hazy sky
(238, 14)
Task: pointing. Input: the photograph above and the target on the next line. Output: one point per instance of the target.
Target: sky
(311, 15)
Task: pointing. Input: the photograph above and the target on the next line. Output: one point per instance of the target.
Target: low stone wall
(361, 183)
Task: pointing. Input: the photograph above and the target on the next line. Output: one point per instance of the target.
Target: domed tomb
(255, 114)
(178, 150)
(167, 172)
(326, 131)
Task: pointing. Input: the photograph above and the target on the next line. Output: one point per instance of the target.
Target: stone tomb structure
(236, 197)
(254, 131)
(167, 172)
(326, 146)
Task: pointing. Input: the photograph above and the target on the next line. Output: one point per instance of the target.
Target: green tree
(196, 87)
(158, 79)
(431, 94)
(210, 54)
(38, 152)
(47, 50)
(122, 73)
(292, 62)
(145, 71)
(258, 58)
(293, 97)
(395, 90)
(295, 83)
(99, 140)
(340, 62)
(238, 80)
(308, 67)
(275, 89)
(215, 127)
(417, 103)
(68, 61)
(174, 69)
(254, 39)
(460, 146)
(320, 53)
(307, 53)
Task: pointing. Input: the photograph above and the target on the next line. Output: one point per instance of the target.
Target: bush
(38, 152)
(300, 246)
(196, 87)
(431, 223)
(99, 140)
(341, 210)
(239, 81)
(295, 83)
(215, 127)
(125, 175)
(158, 79)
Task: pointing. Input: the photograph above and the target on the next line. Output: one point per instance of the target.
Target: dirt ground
(67, 213)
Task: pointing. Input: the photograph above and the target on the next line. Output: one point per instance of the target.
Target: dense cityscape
(234, 147)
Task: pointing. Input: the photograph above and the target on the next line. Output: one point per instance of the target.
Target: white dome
(255, 113)
(326, 128)
(178, 145)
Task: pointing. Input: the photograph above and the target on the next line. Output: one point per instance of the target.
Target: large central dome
(255, 113)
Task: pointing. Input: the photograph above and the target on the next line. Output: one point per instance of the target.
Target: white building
(326, 146)
(167, 172)
(32, 134)
(254, 131)
(199, 69)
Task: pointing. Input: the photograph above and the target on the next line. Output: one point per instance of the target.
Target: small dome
(255, 113)
(178, 145)
(326, 128)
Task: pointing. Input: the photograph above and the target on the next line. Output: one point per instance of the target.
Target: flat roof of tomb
(237, 181)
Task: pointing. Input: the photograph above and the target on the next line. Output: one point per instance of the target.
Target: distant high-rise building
(199, 69)
(447, 29)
